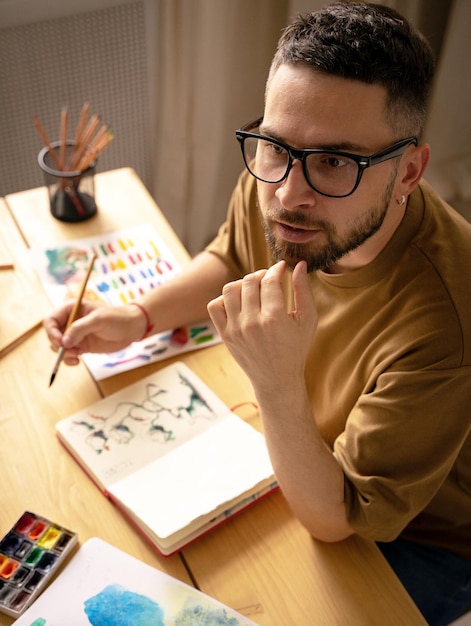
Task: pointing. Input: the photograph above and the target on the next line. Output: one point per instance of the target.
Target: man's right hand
(99, 329)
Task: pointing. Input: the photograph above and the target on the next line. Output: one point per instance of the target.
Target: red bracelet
(149, 325)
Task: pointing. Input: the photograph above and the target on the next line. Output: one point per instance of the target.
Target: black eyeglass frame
(363, 162)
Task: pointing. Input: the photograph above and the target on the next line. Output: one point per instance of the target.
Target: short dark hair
(369, 43)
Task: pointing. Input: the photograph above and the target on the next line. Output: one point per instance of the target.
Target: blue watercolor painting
(104, 586)
(116, 606)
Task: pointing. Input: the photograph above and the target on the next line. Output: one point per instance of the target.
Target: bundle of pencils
(87, 145)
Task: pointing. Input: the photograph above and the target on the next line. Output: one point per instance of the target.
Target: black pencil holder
(71, 193)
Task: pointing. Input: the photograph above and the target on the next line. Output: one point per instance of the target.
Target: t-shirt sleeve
(400, 445)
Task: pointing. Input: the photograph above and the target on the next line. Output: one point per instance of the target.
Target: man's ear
(412, 168)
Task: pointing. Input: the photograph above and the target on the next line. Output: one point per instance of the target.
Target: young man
(357, 340)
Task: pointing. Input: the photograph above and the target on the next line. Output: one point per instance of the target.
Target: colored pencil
(101, 140)
(19, 340)
(84, 141)
(88, 143)
(63, 138)
(46, 141)
(81, 123)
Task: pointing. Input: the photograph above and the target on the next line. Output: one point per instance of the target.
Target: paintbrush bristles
(87, 145)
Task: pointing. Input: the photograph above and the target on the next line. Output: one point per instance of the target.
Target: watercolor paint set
(30, 555)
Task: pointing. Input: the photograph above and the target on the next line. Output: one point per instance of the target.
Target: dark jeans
(437, 580)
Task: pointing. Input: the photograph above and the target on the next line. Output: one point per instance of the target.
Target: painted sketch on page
(130, 263)
(142, 422)
(103, 585)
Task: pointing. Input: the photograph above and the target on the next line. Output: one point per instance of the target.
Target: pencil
(100, 142)
(63, 137)
(86, 137)
(81, 123)
(19, 340)
(47, 143)
(90, 149)
(73, 315)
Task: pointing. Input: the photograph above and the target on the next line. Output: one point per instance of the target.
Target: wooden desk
(263, 563)
(19, 286)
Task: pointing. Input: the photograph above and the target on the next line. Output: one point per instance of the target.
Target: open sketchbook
(103, 585)
(130, 262)
(171, 455)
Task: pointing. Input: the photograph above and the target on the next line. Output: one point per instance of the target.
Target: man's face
(306, 109)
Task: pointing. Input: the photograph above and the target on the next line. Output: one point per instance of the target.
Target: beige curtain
(448, 130)
(214, 58)
(449, 124)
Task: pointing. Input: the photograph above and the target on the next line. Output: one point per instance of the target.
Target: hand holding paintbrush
(73, 315)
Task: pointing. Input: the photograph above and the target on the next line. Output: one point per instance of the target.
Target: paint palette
(130, 262)
(30, 555)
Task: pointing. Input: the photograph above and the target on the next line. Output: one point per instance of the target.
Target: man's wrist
(149, 326)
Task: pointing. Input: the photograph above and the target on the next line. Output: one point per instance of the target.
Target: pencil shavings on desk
(130, 262)
(171, 455)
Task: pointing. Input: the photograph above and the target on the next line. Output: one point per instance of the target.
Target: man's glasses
(330, 173)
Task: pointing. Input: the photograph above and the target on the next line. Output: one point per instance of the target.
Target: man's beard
(322, 257)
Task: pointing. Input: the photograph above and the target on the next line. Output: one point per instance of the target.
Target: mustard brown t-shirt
(389, 370)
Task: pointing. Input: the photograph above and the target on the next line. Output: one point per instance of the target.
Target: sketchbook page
(103, 585)
(138, 424)
(187, 536)
(198, 480)
(130, 262)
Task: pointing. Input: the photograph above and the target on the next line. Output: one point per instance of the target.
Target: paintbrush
(73, 315)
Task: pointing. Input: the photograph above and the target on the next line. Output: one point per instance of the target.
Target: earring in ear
(402, 201)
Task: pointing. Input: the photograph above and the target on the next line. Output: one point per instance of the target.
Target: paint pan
(31, 553)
